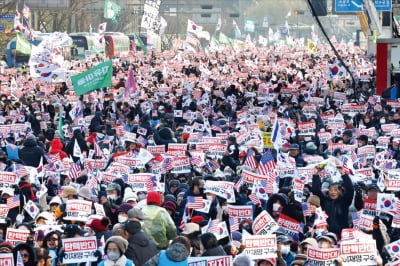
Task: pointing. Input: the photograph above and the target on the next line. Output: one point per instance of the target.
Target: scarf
(120, 262)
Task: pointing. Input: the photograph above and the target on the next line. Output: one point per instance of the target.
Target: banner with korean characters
(389, 128)
(4, 210)
(17, 235)
(392, 180)
(177, 149)
(290, 226)
(139, 182)
(264, 224)
(352, 109)
(129, 161)
(216, 151)
(79, 249)
(306, 128)
(324, 257)
(6, 259)
(383, 142)
(260, 246)
(78, 210)
(242, 212)
(157, 149)
(358, 252)
(367, 151)
(210, 261)
(99, 208)
(298, 189)
(181, 165)
(370, 207)
(354, 234)
(92, 164)
(365, 220)
(310, 110)
(7, 179)
(221, 188)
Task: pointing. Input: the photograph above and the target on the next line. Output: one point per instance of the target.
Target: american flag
(234, 224)
(13, 202)
(213, 226)
(253, 197)
(75, 170)
(119, 130)
(267, 163)
(212, 165)
(53, 157)
(353, 156)
(97, 151)
(195, 160)
(185, 219)
(21, 170)
(306, 208)
(194, 202)
(151, 183)
(92, 182)
(216, 126)
(26, 11)
(250, 159)
(238, 184)
(347, 166)
(167, 165)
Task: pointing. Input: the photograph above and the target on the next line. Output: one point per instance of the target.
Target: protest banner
(359, 251)
(99, 208)
(79, 249)
(242, 212)
(325, 257)
(367, 151)
(157, 149)
(264, 224)
(354, 233)
(139, 182)
(290, 226)
(298, 189)
(7, 179)
(210, 261)
(78, 210)
(17, 235)
(95, 78)
(306, 128)
(6, 259)
(223, 189)
(129, 161)
(260, 246)
(181, 165)
(92, 164)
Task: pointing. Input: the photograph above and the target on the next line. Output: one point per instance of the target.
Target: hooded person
(164, 136)
(69, 149)
(56, 149)
(140, 248)
(159, 226)
(279, 203)
(96, 121)
(31, 153)
(115, 249)
(175, 255)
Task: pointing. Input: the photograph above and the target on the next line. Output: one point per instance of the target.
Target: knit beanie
(170, 205)
(154, 197)
(124, 207)
(121, 243)
(314, 199)
(99, 225)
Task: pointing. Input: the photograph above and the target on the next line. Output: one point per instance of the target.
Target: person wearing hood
(96, 121)
(31, 153)
(140, 248)
(164, 136)
(27, 253)
(279, 203)
(69, 149)
(176, 254)
(56, 149)
(211, 247)
(115, 249)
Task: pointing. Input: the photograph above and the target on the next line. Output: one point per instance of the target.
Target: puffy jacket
(159, 226)
(31, 153)
(176, 254)
(140, 248)
(337, 210)
(56, 147)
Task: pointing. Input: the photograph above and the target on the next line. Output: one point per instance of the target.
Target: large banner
(150, 18)
(78, 210)
(95, 78)
(261, 246)
(264, 224)
(210, 261)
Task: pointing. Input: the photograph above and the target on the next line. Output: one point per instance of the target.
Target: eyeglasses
(25, 255)
(52, 239)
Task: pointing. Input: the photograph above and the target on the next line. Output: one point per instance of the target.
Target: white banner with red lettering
(78, 210)
(77, 250)
(355, 252)
(264, 224)
(325, 256)
(7, 179)
(242, 212)
(17, 235)
(210, 261)
(6, 259)
(260, 246)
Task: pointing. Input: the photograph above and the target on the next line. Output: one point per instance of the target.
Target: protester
(115, 249)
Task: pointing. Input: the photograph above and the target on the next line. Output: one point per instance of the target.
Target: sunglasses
(25, 255)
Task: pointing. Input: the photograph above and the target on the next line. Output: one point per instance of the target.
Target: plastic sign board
(346, 6)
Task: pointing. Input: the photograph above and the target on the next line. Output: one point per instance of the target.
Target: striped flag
(20, 170)
(216, 126)
(234, 224)
(167, 165)
(254, 199)
(250, 159)
(13, 202)
(306, 208)
(212, 226)
(267, 164)
(185, 219)
(212, 165)
(194, 202)
(238, 184)
(75, 170)
(195, 160)
(97, 151)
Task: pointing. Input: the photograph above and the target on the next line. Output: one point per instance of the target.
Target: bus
(16, 59)
(117, 44)
(87, 44)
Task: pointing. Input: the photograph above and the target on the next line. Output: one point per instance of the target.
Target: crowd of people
(280, 133)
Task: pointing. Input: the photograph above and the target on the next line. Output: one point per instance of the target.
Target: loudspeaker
(320, 7)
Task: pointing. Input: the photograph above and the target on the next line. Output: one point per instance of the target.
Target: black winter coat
(140, 248)
(337, 210)
(31, 153)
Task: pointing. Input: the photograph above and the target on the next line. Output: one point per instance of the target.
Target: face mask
(122, 219)
(113, 256)
(112, 197)
(142, 196)
(39, 118)
(64, 200)
(275, 207)
(150, 142)
(383, 121)
(285, 249)
(210, 198)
